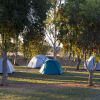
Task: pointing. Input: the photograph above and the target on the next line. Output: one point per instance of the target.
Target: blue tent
(10, 67)
(51, 67)
(91, 63)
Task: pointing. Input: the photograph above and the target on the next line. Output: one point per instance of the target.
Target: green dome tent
(51, 67)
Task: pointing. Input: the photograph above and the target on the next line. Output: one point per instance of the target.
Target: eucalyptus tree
(51, 27)
(82, 22)
(69, 17)
(34, 32)
(14, 18)
(90, 37)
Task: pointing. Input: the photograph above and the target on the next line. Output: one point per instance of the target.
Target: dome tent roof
(10, 67)
(91, 63)
(51, 67)
(37, 61)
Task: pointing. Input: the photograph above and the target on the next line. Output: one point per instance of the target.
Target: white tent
(91, 63)
(9, 66)
(37, 61)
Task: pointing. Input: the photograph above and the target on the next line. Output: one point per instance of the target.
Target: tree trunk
(15, 58)
(78, 63)
(16, 51)
(54, 54)
(69, 56)
(54, 51)
(4, 70)
(85, 63)
(90, 81)
(4, 63)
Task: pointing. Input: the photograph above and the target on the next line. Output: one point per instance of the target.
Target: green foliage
(33, 48)
(81, 29)
(15, 12)
(13, 18)
(34, 37)
(15, 15)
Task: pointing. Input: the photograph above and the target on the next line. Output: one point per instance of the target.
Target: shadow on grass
(50, 94)
(33, 74)
(66, 77)
(29, 76)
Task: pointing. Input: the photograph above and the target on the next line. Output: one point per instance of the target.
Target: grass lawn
(29, 84)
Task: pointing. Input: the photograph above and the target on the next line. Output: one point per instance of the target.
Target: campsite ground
(29, 84)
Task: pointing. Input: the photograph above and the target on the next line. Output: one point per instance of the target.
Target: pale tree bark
(4, 63)
(15, 50)
(90, 78)
(54, 51)
(15, 56)
(55, 35)
(91, 71)
(52, 30)
(55, 46)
